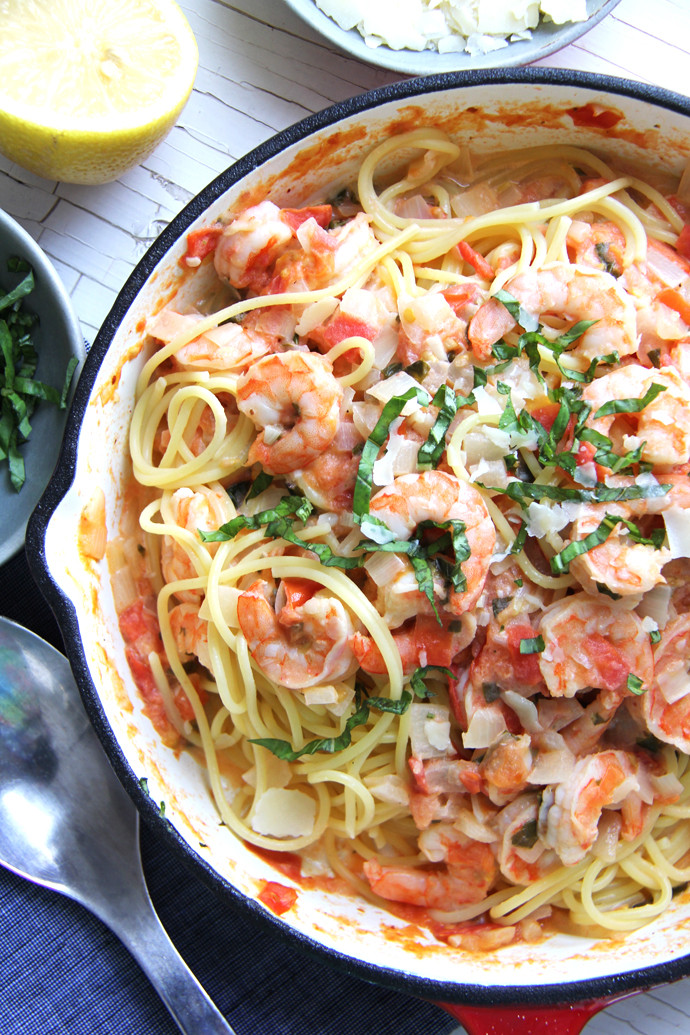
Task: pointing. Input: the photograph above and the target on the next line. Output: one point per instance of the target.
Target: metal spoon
(67, 823)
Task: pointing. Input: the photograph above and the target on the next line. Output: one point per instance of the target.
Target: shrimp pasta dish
(404, 560)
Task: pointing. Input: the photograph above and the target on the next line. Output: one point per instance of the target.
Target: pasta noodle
(408, 535)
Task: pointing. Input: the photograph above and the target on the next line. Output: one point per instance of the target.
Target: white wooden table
(261, 70)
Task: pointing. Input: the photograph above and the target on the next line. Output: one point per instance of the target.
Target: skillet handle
(565, 1019)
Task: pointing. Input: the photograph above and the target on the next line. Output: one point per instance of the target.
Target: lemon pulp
(88, 90)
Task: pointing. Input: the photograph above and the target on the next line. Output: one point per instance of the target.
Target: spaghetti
(406, 559)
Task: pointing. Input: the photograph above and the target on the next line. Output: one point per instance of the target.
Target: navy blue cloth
(62, 971)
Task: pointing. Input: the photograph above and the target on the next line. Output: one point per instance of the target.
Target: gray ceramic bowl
(57, 338)
(546, 38)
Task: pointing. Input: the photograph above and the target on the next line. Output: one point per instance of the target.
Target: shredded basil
(392, 409)
(526, 835)
(284, 749)
(448, 403)
(630, 405)
(18, 363)
(533, 645)
(526, 320)
(417, 678)
(634, 684)
(491, 692)
(522, 492)
(560, 563)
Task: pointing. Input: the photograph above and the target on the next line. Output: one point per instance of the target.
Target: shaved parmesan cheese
(477, 26)
(390, 788)
(677, 521)
(283, 813)
(655, 605)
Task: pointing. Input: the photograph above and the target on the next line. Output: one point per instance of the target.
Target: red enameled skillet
(554, 986)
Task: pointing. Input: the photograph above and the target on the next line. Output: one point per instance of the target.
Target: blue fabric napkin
(62, 971)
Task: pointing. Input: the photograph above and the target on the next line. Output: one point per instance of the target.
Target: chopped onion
(475, 201)
(552, 767)
(467, 824)
(525, 710)
(683, 192)
(485, 727)
(429, 730)
(92, 530)
(316, 314)
(667, 269)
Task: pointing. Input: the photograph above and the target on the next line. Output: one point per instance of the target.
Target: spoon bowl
(67, 823)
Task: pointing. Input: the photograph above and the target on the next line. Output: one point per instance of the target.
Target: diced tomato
(419, 774)
(458, 295)
(343, 326)
(183, 704)
(297, 592)
(139, 625)
(595, 115)
(683, 242)
(608, 663)
(277, 897)
(434, 639)
(677, 301)
(476, 260)
(141, 672)
(525, 666)
(546, 415)
(202, 242)
(294, 217)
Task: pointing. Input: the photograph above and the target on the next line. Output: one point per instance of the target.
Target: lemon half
(89, 89)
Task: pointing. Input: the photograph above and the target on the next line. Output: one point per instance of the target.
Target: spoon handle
(148, 941)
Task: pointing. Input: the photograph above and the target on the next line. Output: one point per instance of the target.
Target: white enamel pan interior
(492, 111)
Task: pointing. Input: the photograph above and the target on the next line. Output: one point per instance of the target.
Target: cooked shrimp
(570, 813)
(329, 481)
(468, 874)
(522, 856)
(600, 244)
(297, 641)
(666, 704)
(295, 399)
(438, 497)
(570, 293)
(589, 643)
(620, 564)
(190, 633)
(204, 510)
(662, 428)
(324, 256)
(230, 346)
(250, 245)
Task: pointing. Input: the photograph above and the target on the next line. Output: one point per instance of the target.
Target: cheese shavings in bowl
(472, 26)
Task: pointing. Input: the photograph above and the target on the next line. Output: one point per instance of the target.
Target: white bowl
(546, 38)
(311, 160)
